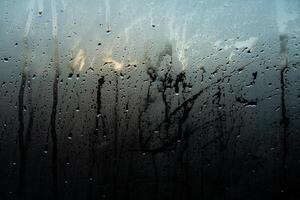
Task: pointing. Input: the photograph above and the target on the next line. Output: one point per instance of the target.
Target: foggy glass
(140, 99)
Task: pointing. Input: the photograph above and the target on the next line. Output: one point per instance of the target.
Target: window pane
(138, 99)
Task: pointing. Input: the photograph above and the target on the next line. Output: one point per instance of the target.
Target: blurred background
(140, 99)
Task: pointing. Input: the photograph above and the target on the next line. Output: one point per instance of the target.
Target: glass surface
(140, 99)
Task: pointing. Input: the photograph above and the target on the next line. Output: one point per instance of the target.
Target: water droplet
(70, 76)
(108, 31)
(70, 136)
(45, 149)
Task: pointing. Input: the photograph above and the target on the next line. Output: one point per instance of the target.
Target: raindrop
(70, 136)
(70, 76)
(45, 149)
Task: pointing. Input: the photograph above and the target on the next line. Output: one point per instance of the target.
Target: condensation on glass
(138, 99)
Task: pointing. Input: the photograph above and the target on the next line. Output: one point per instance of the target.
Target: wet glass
(139, 99)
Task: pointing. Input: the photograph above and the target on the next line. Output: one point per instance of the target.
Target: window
(138, 99)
